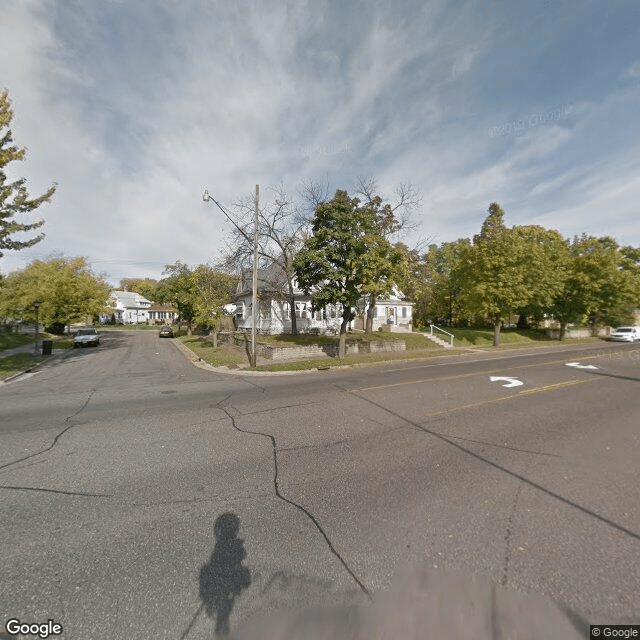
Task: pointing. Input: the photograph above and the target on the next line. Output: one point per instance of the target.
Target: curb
(453, 352)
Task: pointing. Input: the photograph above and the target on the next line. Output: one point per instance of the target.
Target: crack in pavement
(500, 446)
(286, 406)
(507, 536)
(55, 440)
(66, 493)
(295, 504)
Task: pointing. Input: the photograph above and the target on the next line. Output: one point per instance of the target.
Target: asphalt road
(140, 495)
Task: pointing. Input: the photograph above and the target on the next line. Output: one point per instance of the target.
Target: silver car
(625, 334)
(86, 337)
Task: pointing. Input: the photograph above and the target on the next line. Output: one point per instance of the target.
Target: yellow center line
(468, 375)
(473, 405)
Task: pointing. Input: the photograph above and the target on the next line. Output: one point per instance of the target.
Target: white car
(86, 337)
(625, 334)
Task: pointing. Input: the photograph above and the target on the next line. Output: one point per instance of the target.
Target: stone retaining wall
(273, 352)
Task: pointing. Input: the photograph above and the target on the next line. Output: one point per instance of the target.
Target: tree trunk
(342, 344)
(346, 318)
(563, 329)
(496, 332)
(215, 339)
(370, 313)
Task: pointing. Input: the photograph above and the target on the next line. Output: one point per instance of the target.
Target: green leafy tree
(440, 297)
(198, 294)
(546, 268)
(214, 289)
(146, 287)
(389, 264)
(67, 289)
(603, 284)
(492, 272)
(338, 262)
(14, 197)
(179, 289)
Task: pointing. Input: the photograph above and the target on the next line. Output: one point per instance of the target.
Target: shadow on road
(223, 578)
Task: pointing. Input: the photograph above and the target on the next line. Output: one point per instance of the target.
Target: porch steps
(443, 343)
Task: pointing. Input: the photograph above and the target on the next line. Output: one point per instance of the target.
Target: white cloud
(633, 71)
(134, 108)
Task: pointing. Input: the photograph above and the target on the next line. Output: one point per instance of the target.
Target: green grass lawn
(508, 337)
(11, 365)
(223, 356)
(417, 346)
(10, 340)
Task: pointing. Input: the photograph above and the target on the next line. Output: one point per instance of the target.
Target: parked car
(86, 337)
(166, 332)
(625, 334)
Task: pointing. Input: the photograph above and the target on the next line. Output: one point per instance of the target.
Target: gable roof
(129, 298)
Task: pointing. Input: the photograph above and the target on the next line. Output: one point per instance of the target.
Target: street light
(36, 304)
(254, 295)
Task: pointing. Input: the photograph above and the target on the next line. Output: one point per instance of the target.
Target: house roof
(271, 279)
(129, 298)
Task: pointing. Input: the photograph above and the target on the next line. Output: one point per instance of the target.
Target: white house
(128, 307)
(274, 314)
(393, 312)
(162, 313)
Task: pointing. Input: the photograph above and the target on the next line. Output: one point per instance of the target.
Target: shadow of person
(223, 577)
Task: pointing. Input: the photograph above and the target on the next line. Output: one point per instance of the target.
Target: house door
(391, 315)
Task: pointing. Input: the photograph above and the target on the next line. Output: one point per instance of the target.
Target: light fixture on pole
(254, 289)
(36, 305)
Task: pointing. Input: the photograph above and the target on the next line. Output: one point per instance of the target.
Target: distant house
(274, 316)
(162, 313)
(128, 307)
(393, 312)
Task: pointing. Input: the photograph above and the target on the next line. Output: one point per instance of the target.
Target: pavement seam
(55, 440)
(499, 467)
(66, 493)
(295, 504)
(507, 536)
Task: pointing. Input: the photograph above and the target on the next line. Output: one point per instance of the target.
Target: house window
(404, 312)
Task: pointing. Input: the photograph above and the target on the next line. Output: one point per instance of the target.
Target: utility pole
(254, 296)
(36, 304)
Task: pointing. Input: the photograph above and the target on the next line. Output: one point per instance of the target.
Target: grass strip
(11, 365)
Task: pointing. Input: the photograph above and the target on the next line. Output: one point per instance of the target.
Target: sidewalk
(25, 348)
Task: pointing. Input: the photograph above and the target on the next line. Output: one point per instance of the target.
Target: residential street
(116, 462)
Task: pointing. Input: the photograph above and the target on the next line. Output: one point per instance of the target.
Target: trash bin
(47, 345)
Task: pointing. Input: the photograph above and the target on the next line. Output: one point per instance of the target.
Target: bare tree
(282, 229)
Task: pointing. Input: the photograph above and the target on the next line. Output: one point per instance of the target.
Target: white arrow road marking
(577, 365)
(513, 382)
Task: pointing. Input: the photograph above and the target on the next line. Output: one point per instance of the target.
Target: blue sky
(134, 108)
